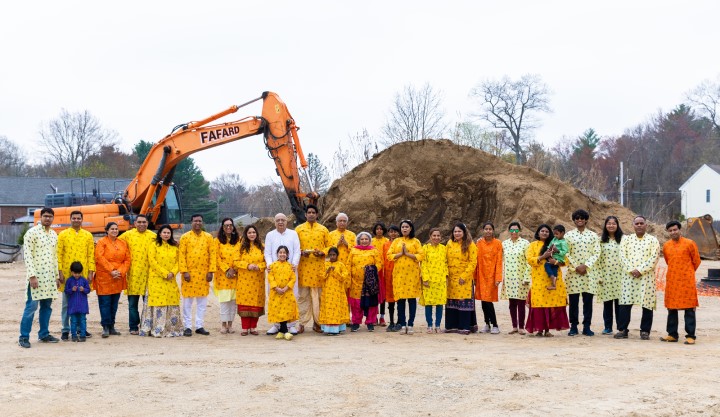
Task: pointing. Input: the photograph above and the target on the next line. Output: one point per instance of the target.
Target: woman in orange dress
(112, 260)
(488, 276)
(393, 233)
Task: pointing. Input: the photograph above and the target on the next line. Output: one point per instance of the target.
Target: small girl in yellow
(282, 306)
(334, 303)
(434, 275)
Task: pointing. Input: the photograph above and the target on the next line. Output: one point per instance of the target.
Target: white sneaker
(403, 330)
(485, 329)
(410, 330)
(273, 330)
(292, 330)
(495, 330)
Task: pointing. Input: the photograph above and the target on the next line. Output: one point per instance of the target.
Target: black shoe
(114, 332)
(64, 336)
(49, 339)
(588, 332)
(187, 332)
(573, 331)
(24, 342)
(644, 335)
(82, 338)
(622, 334)
(202, 331)
(371, 327)
(354, 327)
(106, 332)
(74, 338)
(390, 327)
(88, 335)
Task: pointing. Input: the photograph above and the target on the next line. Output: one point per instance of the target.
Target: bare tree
(415, 114)
(232, 193)
(359, 149)
(473, 135)
(72, 138)
(12, 158)
(318, 174)
(706, 98)
(512, 106)
(268, 199)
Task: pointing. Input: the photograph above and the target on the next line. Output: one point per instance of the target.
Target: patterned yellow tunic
(75, 246)
(228, 256)
(311, 269)
(282, 307)
(516, 281)
(41, 261)
(541, 296)
(251, 284)
(357, 261)
(333, 303)
(334, 237)
(139, 244)
(641, 254)
(460, 265)
(609, 271)
(197, 256)
(379, 243)
(584, 248)
(406, 272)
(435, 270)
(162, 261)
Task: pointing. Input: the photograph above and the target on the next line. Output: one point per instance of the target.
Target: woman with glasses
(228, 257)
(516, 282)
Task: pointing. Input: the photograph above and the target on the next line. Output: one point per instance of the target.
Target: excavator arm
(277, 126)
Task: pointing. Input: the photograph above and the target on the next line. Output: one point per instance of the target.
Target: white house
(701, 193)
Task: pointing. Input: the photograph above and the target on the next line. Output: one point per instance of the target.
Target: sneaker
(588, 332)
(644, 335)
(391, 328)
(668, 338)
(354, 327)
(371, 327)
(49, 339)
(429, 330)
(410, 330)
(88, 335)
(74, 338)
(187, 332)
(24, 342)
(294, 330)
(272, 330)
(607, 331)
(288, 336)
(82, 338)
(202, 331)
(65, 336)
(485, 329)
(573, 331)
(280, 335)
(403, 329)
(382, 322)
(622, 334)
(495, 330)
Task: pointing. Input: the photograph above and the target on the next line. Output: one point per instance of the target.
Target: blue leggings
(438, 315)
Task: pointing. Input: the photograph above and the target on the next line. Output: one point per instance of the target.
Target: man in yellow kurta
(197, 262)
(314, 238)
(342, 238)
(583, 252)
(138, 240)
(74, 244)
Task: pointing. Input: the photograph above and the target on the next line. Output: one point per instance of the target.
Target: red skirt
(546, 318)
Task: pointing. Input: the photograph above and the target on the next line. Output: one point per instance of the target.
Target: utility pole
(622, 186)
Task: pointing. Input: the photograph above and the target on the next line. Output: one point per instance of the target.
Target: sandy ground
(360, 374)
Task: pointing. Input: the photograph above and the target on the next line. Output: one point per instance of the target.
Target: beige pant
(309, 305)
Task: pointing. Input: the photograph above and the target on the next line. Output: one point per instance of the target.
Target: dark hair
(433, 230)
(222, 236)
(312, 206)
(334, 250)
(412, 228)
(47, 210)
(109, 225)
(489, 223)
(277, 252)
(394, 227)
(640, 216)
(605, 237)
(74, 212)
(245, 243)
(382, 226)
(467, 239)
(673, 223)
(514, 223)
(580, 214)
(546, 241)
(144, 216)
(158, 239)
(196, 215)
(559, 228)
(76, 267)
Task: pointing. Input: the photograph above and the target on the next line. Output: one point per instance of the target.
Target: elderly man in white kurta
(639, 255)
(584, 251)
(282, 236)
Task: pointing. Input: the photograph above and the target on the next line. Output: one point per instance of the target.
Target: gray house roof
(27, 191)
(715, 168)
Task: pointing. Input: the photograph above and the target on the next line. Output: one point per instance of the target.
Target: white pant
(228, 310)
(200, 313)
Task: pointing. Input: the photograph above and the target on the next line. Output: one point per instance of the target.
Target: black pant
(672, 323)
(457, 319)
(489, 313)
(608, 308)
(391, 311)
(283, 327)
(412, 306)
(624, 318)
(587, 300)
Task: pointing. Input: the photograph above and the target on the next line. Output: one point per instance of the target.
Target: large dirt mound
(437, 183)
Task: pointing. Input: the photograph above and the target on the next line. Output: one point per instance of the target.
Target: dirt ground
(359, 374)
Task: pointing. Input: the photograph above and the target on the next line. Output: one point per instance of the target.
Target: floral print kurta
(516, 271)
(313, 236)
(228, 256)
(609, 271)
(197, 256)
(111, 255)
(282, 307)
(358, 259)
(584, 249)
(41, 261)
(406, 272)
(639, 253)
(250, 290)
(75, 246)
(163, 260)
(683, 260)
(333, 303)
(489, 270)
(139, 244)
(460, 265)
(541, 296)
(434, 269)
(334, 238)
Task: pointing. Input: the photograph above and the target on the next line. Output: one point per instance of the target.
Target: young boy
(77, 289)
(560, 248)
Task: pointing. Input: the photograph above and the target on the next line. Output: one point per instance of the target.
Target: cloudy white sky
(144, 67)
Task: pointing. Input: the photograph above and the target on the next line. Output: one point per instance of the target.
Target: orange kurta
(111, 255)
(683, 260)
(489, 269)
(388, 273)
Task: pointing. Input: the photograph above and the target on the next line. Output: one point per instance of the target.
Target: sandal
(521, 331)
(513, 331)
(539, 334)
(548, 334)
(230, 330)
(254, 332)
(134, 332)
(429, 330)
(244, 333)
(223, 331)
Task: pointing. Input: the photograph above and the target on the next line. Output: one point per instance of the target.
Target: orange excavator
(152, 193)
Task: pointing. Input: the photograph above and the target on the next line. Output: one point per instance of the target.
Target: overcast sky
(143, 67)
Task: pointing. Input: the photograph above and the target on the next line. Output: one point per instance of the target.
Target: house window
(707, 196)
(31, 210)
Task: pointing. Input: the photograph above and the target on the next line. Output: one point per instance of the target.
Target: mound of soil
(437, 183)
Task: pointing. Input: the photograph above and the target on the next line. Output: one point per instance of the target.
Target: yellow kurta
(379, 243)
(139, 244)
(333, 303)
(41, 261)
(434, 269)
(541, 296)
(163, 260)
(228, 256)
(197, 256)
(282, 307)
(313, 236)
(641, 254)
(357, 261)
(609, 271)
(250, 290)
(460, 265)
(584, 249)
(75, 246)
(406, 272)
(334, 237)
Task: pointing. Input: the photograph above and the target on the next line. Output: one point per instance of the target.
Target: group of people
(344, 280)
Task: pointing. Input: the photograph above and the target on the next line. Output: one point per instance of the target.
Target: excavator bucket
(700, 230)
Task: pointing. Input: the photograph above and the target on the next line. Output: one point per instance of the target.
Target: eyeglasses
(228, 225)
(514, 230)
